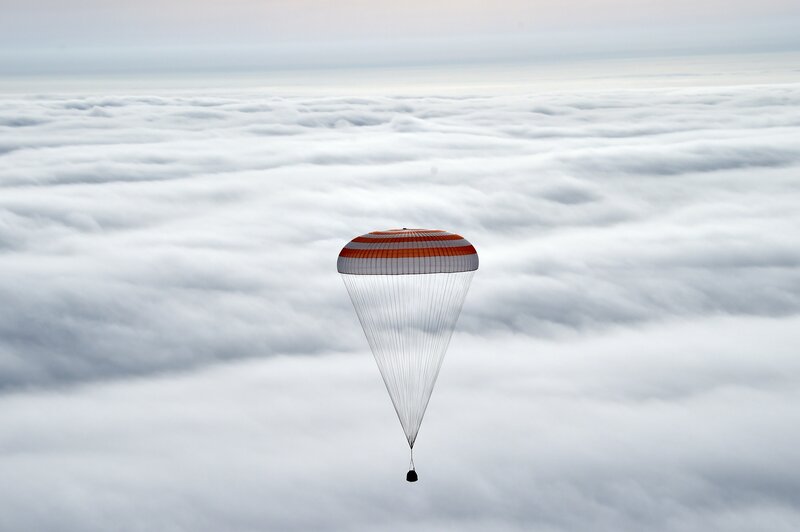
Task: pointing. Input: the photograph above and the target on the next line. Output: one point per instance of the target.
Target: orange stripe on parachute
(406, 253)
(367, 240)
(401, 231)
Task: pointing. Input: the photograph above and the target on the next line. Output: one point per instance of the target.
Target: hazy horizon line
(374, 53)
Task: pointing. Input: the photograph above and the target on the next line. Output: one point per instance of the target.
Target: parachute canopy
(407, 252)
(408, 287)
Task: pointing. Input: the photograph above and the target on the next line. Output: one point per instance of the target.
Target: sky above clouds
(177, 351)
(237, 20)
(81, 36)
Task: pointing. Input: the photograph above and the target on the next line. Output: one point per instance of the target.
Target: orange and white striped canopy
(407, 252)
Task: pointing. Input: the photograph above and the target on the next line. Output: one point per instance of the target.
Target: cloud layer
(626, 359)
(146, 233)
(671, 428)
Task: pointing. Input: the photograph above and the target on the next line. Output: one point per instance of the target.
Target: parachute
(408, 287)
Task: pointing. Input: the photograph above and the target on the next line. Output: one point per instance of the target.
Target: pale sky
(43, 33)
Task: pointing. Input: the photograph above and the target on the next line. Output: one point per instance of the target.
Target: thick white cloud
(676, 427)
(625, 360)
(144, 233)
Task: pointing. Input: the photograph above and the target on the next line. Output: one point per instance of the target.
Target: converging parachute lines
(408, 287)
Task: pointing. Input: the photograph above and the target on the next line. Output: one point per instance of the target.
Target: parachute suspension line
(408, 321)
(408, 288)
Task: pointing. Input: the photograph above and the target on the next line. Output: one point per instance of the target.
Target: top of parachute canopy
(407, 252)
